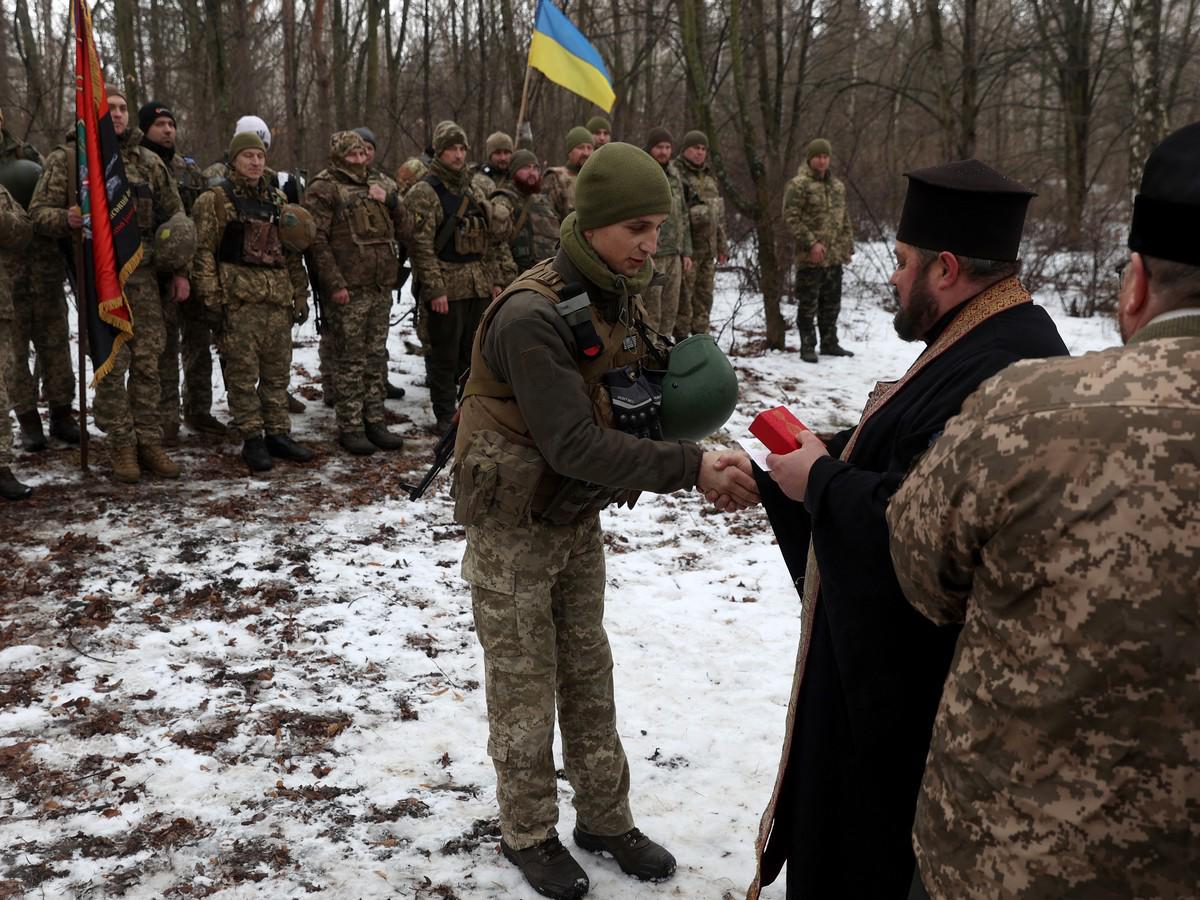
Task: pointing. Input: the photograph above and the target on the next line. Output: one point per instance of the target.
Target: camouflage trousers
(819, 296)
(538, 596)
(449, 353)
(662, 300)
(360, 333)
(129, 414)
(188, 336)
(40, 319)
(256, 347)
(327, 351)
(6, 367)
(696, 297)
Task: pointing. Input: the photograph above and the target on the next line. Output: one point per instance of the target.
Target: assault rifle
(441, 455)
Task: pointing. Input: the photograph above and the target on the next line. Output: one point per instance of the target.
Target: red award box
(778, 429)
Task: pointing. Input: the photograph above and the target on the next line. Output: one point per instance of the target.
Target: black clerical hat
(1166, 211)
(966, 208)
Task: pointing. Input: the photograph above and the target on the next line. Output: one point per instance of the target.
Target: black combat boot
(282, 446)
(256, 455)
(834, 349)
(10, 488)
(378, 435)
(550, 869)
(392, 391)
(33, 438)
(356, 442)
(295, 404)
(635, 853)
(206, 423)
(63, 425)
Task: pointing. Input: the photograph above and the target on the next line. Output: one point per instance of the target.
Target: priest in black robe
(870, 670)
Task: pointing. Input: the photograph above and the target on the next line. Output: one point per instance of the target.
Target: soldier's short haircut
(976, 269)
(1174, 284)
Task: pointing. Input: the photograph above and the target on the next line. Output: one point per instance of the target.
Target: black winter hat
(657, 136)
(366, 134)
(966, 208)
(1166, 210)
(153, 111)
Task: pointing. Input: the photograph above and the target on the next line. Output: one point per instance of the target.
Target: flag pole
(80, 295)
(524, 99)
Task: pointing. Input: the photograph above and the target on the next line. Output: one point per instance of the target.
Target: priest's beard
(913, 323)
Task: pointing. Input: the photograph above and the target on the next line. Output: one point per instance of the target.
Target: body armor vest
(536, 231)
(252, 239)
(469, 239)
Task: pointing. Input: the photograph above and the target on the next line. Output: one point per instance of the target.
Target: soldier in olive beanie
(598, 123)
(658, 136)
(498, 141)
(447, 134)
(247, 140)
(576, 136)
(818, 147)
(620, 182)
(521, 159)
(694, 139)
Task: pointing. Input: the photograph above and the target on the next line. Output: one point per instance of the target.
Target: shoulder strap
(524, 214)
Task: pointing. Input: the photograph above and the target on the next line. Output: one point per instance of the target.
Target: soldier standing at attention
(559, 181)
(537, 458)
(601, 130)
(673, 258)
(39, 313)
(1056, 521)
(254, 287)
(15, 233)
(706, 211)
(356, 263)
(499, 150)
(458, 261)
(130, 416)
(814, 211)
(535, 226)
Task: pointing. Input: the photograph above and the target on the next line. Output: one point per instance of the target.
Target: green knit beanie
(818, 147)
(658, 135)
(694, 139)
(598, 123)
(520, 160)
(247, 140)
(576, 136)
(618, 182)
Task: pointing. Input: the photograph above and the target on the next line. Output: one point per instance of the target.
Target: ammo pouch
(252, 239)
(574, 499)
(145, 206)
(471, 236)
(636, 400)
(498, 478)
(369, 223)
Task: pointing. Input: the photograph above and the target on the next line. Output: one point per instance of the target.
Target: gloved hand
(300, 311)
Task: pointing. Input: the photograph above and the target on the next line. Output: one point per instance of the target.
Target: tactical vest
(470, 232)
(366, 226)
(535, 233)
(251, 239)
(498, 470)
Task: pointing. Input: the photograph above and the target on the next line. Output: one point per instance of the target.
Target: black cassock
(875, 667)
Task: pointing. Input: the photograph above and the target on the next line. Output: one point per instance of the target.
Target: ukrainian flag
(564, 56)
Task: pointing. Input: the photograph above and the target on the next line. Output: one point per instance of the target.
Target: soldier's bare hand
(341, 296)
(377, 193)
(74, 217)
(726, 481)
(687, 264)
(791, 470)
(181, 288)
(440, 304)
(817, 253)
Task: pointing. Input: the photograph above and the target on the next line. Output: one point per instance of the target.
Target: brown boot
(123, 461)
(33, 438)
(155, 460)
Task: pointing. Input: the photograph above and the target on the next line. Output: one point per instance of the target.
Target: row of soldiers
(230, 252)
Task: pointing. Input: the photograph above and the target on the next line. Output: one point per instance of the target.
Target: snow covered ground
(237, 686)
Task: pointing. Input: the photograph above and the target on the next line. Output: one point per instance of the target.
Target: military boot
(206, 423)
(835, 350)
(154, 460)
(256, 455)
(392, 391)
(124, 464)
(170, 434)
(295, 404)
(328, 397)
(356, 442)
(378, 434)
(10, 488)
(550, 869)
(808, 344)
(635, 853)
(282, 446)
(33, 438)
(63, 425)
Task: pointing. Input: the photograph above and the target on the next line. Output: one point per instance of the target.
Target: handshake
(727, 480)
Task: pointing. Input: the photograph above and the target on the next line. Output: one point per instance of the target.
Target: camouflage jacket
(706, 209)
(534, 232)
(455, 280)
(814, 209)
(15, 232)
(1057, 518)
(217, 283)
(356, 238)
(154, 191)
(12, 147)
(558, 183)
(675, 238)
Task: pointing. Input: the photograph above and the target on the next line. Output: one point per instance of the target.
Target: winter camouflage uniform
(15, 232)
(256, 304)
(674, 243)
(534, 233)
(128, 415)
(706, 212)
(355, 249)
(814, 210)
(39, 313)
(1057, 519)
(558, 184)
(471, 263)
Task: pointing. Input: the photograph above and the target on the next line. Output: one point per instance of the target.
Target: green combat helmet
(297, 230)
(699, 391)
(174, 244)
(20, 176)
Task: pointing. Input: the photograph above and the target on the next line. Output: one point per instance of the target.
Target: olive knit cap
(818, 147)
(447, 134)
(247, 140)
(618, 182)
(657, 136)
(520, 160)
(499, 141)
(576, 136)
(598, 123)
(694, 139)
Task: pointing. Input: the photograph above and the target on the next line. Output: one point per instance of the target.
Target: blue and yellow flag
(564, 56)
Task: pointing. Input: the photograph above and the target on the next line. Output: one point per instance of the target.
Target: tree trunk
(123, 11)
(371, 92)
(216, 57)
(1146, 69)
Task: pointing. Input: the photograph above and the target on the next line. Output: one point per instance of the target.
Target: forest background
(1066, 95)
